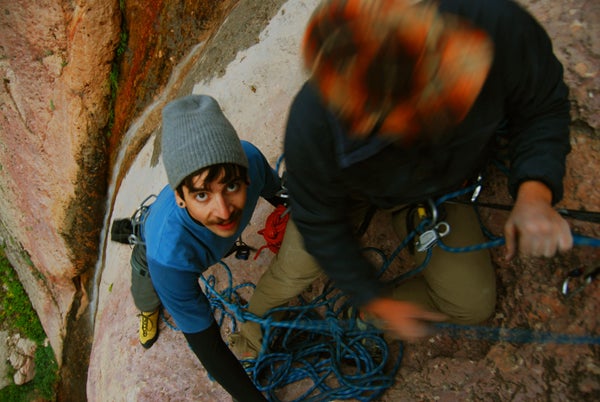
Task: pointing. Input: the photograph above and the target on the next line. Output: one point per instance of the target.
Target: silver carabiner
(429, 238)
(477, 189)
(434, 212)
(569, 288)
(442, 225)
(283, 191)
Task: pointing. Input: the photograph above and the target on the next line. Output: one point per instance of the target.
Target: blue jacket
(179, 249)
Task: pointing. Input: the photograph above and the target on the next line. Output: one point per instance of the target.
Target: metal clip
(138, 219)
(477, 190)
(283, 192)
(429, 238)
(434, 213)
(242, 250)
(428, 212)
(577, 280)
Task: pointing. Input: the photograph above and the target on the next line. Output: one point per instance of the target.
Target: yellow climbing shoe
(148, 328)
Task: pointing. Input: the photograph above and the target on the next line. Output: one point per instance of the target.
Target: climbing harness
(138, 219)
(318, 346)
(136, 229)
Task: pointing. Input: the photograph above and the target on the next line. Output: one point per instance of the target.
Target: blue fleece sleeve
(182, 296)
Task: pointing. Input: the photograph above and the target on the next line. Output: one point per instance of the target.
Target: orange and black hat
(395, 63)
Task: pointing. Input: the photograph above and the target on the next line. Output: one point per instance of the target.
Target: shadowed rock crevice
(77, 347)
(81, 229)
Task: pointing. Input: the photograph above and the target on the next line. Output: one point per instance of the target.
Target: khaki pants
(460, 285)
(291, 271)
(142, 289)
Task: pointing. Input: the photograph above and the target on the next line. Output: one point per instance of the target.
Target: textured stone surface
(255, 87)
(55, 60)
(55, 107)
(22, 353)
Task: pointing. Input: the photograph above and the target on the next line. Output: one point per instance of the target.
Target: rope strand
(342, 357)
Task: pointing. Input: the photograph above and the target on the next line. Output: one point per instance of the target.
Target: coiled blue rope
(323, 345)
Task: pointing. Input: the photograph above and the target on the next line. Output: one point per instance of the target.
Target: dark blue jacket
(326, 170)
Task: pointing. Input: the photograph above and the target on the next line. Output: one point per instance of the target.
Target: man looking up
(215, 182)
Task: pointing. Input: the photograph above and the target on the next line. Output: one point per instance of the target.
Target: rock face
(55, 163)
(55, 60)
(21, 358)
(59, 100)
(260, 80)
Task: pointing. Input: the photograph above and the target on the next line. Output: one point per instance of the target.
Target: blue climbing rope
(323, 344)
(322, 341)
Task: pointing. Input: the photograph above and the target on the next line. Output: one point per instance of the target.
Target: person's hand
(406, 320)
(534, 227)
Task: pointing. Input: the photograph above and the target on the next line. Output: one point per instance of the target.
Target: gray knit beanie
(196, 134)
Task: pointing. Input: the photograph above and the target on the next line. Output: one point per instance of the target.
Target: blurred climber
(404, 102)
(215, 182)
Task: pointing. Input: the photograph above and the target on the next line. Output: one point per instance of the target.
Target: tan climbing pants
(291, 271)
(460, 285)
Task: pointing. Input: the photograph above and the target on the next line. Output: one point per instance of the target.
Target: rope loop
(326, 346)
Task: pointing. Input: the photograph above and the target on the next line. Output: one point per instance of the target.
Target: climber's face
(218, 205)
